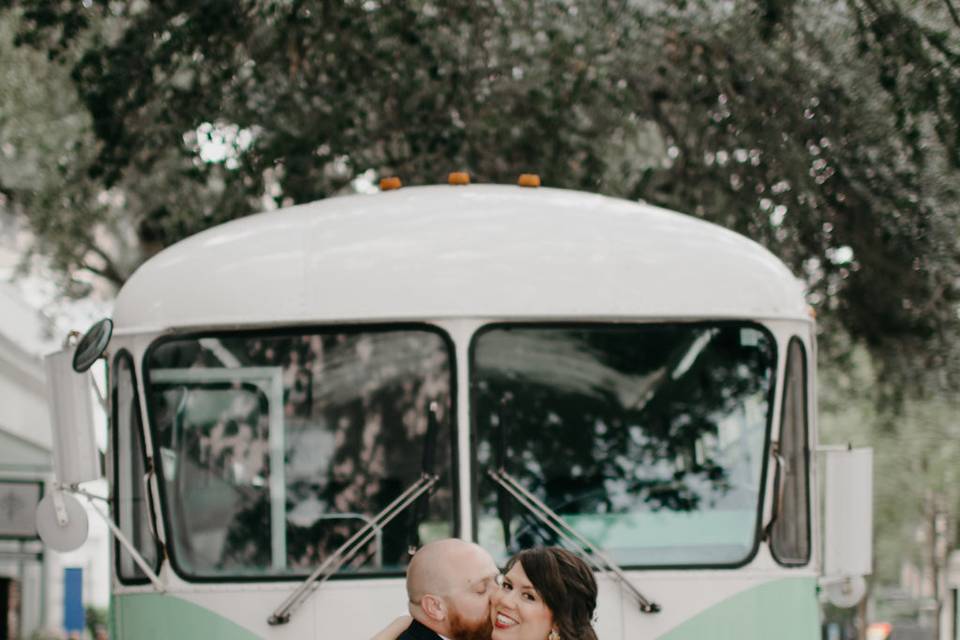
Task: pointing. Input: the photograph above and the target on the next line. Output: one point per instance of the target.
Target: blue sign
(73, 616)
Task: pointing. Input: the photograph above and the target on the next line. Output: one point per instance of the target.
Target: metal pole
(23, 592)
(44, 579)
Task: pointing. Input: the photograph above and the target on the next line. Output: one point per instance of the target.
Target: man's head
(449, 583)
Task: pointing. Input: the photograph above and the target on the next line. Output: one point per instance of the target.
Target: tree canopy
(829, 132)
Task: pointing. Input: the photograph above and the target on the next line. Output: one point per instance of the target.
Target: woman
(545, 594)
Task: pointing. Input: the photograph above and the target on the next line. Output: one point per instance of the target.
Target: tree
(916, 488)
(45, 145)
(827, 131)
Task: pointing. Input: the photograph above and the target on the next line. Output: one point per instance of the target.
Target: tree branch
(105, 274)
(109, 271)
(97, 271)
(953, 12)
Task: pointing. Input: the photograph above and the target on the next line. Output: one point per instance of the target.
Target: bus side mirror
(61, 519)
(848, 523)
(75, 455)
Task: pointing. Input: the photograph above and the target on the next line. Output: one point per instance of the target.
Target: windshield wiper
(349, 549)
(567, 533)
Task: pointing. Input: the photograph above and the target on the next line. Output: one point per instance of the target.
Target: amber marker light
(459, 178)
(389, 184)
(529, 180)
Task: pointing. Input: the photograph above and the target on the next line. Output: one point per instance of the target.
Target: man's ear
(434, 607)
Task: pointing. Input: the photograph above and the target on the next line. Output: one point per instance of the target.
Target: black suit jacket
(417, 631)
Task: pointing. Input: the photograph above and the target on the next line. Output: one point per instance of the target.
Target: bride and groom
(456, 592)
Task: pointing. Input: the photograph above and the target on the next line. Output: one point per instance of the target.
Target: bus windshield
(647, 439)
(275, 448)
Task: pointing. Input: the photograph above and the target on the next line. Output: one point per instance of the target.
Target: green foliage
(826, 131)
(96, 621)
(915, 454)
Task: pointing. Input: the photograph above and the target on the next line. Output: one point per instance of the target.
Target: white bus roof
(465, 251)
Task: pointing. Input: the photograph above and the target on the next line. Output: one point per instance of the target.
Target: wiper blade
(350, 548)
(345, 552)
(567, 533)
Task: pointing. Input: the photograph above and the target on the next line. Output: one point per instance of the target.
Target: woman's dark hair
(567, 586)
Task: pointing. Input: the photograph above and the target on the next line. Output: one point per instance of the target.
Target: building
(31, 591)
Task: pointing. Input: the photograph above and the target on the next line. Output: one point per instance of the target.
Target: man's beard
(461, 629)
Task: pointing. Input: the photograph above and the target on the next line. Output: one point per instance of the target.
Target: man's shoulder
(417, 631)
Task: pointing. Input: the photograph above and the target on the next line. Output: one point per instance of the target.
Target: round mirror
(92, 345)
(67, 536)
(847, 593)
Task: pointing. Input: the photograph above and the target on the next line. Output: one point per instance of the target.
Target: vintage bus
(300, 398)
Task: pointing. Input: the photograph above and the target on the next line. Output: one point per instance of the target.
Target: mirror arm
(122, 539)
(71, 339)
(101, 396)
(86, 494)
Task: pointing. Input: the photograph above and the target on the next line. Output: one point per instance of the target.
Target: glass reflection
(133, 514)
(648, 439)
(275, 449)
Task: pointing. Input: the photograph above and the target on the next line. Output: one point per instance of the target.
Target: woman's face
(517, 610)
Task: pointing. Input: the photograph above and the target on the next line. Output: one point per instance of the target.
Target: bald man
(449, 584)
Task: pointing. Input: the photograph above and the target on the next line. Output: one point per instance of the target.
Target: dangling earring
(554, 635)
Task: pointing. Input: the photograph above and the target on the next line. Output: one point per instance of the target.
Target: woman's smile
(503, 621)
(517, 610)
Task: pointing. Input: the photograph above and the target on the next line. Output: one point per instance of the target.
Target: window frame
(288, 331)
(612, 324)
(805, 405)
(41, 486)
(129, 361)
